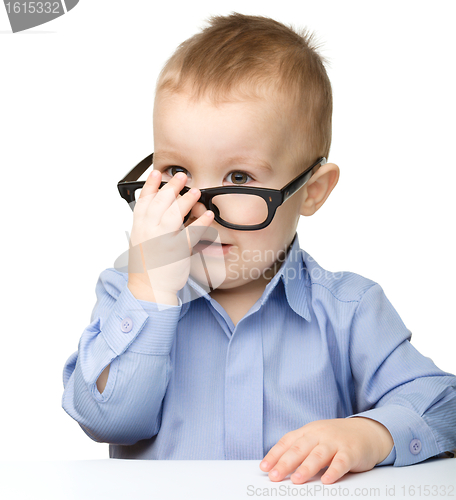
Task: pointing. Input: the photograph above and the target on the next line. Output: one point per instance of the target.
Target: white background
(76, 114)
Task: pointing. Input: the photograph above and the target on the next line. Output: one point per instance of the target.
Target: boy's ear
(318, 188)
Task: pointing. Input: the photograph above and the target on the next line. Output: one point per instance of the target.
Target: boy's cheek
(233, 272)
(233, 256)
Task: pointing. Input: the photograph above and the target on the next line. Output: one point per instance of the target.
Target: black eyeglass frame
(273, 197)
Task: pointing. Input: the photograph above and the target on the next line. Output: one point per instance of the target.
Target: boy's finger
(274, 454)
(197, 229)
(313, 461)
(294, 457)
(182, 206)
(151, 185)
(165, 197)
(340, 465)
(148, 191)
(143, 256)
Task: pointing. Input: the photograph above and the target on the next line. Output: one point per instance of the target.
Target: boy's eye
(236, 177)
(174, 170)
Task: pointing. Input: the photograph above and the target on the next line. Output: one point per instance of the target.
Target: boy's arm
(124, 333)
(144, 298)
(399, 387)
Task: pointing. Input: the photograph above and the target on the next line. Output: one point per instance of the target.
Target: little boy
(282, 360)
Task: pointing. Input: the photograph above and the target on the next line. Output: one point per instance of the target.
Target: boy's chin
(217, 274)
(211, 274)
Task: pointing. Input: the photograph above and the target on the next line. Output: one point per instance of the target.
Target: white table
(117, 479)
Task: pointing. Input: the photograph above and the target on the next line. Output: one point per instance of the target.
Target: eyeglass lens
(236, 208)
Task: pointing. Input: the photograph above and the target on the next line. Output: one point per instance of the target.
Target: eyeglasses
(243, 208)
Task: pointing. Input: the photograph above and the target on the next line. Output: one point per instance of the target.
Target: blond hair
(242, 55)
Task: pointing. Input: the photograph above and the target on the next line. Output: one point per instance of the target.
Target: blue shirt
(185, 383)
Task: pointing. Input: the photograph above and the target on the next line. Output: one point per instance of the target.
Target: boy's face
(200, 138)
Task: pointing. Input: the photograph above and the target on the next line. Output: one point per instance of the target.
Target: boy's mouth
(207, 243)
(215, 245)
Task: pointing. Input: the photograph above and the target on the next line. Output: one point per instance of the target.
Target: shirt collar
(293, 274)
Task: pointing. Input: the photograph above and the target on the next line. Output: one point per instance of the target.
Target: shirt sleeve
(399, 387)
(135, 337)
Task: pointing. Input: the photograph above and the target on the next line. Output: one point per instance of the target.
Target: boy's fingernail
(274, 473)
(264, 464)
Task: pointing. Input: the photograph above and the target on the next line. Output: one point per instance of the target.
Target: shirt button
(415, 446)
(126, 325)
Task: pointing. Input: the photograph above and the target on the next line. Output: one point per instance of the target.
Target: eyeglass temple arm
(136, 172)
(130, 182)
(301, 179)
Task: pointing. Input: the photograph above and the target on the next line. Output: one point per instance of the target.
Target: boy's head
(250, 88)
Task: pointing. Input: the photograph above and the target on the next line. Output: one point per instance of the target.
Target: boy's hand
(157, 232)
(345, 444)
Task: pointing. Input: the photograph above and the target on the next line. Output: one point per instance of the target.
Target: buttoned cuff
(144, 327)
(413, 438)
(128, 326)
(157, 336)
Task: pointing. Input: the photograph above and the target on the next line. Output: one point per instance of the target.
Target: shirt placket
(244, 392)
